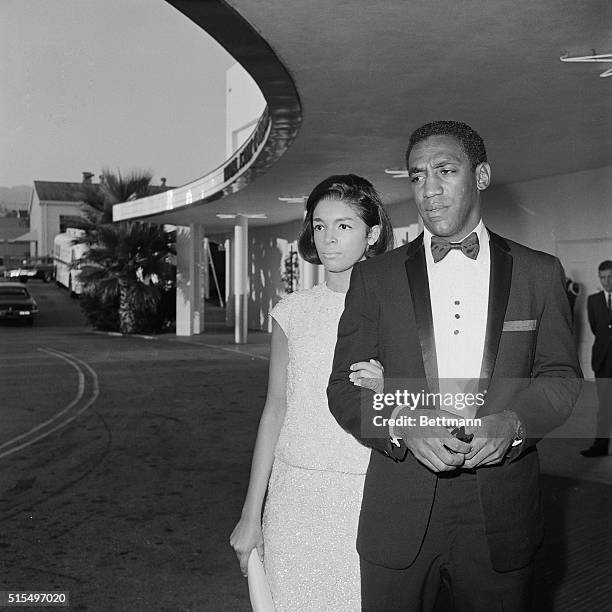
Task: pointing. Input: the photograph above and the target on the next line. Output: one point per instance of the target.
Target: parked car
(22, 274)
(39, 267)
(17, 303)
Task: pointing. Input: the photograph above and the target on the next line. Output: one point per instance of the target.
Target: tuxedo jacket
(529, 366)
(600, 321)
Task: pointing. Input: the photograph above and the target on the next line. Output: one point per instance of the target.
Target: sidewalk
(218, 334)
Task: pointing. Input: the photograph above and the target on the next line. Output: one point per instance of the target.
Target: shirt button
(457, 316)
(457, 302)
(456, 332)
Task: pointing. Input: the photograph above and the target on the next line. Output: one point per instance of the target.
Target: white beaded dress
(315, 489)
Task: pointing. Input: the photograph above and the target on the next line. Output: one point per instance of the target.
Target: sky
(118, 84)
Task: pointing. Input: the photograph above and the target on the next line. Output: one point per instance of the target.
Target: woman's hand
(368, 374)
(246, 536)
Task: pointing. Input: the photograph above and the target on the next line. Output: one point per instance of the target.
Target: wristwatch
(520, 435)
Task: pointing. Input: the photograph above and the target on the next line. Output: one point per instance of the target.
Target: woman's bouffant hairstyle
(360, 194)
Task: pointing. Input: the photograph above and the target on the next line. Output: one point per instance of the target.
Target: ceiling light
(293, 199)
(397, 173)
(605, 57)
(234, 215)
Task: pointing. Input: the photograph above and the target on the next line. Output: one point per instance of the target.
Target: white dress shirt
(459, 295)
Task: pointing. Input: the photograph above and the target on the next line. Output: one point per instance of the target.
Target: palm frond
(129, 261)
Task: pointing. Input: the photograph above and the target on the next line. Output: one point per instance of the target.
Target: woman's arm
(247, 533)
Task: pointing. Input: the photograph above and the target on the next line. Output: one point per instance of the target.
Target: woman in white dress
(312, 469)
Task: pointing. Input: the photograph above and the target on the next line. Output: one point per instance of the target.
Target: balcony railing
(209, 187)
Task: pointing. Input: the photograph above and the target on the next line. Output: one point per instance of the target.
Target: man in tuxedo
(599, 309)
(458, 308)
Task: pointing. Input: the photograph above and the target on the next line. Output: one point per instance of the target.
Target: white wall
(45, 221)
(35, 222)
(267, 246)
(51, 228)
(569, 216)
(541, 212)
(244, 105)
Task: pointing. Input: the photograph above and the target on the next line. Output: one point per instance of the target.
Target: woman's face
(340, 235)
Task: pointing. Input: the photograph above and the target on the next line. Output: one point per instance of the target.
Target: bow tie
(440, 247)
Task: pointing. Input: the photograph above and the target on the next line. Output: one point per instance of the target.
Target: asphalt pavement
(124, 461)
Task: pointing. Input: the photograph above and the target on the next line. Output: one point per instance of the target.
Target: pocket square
(524, 325)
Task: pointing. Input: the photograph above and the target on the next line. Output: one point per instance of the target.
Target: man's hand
(433, 446)
(492, 439)
(368, 374)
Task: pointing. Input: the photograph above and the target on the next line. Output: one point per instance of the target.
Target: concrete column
(206, 269)
(201, 269)
(320, 274)
(310, 275)
(189, 296)
(229, 282)
(241, 279)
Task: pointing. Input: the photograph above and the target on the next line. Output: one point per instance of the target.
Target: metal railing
(204, 188)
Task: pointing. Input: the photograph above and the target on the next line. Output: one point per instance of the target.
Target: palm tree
(99, 199)
(127, 265)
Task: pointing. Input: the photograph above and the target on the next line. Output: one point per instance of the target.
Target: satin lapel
(416, 269)
(500, 278)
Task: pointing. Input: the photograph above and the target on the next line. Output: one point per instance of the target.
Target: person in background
(599, 310)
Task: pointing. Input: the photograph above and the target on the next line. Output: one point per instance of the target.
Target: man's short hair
(470, 140)
(605, 265)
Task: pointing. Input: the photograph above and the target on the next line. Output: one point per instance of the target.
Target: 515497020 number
(18, 599)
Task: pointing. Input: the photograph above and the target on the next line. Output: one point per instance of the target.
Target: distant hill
(15, 198)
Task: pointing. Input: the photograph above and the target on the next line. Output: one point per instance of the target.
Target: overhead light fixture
(292, 199)
(604, 57)
(397, 173)
(234, 215)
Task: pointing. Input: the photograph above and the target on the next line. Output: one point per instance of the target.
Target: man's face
(445, 188)
(605, 278)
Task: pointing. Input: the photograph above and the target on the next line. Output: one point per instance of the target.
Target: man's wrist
(518, 427)
(394, 415)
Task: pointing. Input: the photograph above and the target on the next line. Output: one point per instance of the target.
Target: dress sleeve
(281, 313)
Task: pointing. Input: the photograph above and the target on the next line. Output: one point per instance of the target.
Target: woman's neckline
(341, 293)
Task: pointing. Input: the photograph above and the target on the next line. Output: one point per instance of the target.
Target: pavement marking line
(78, 364)
(234, 351)
(79, 395)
